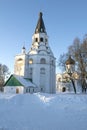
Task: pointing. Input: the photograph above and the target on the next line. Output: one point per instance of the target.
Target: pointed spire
(23, 50)
(40, 25)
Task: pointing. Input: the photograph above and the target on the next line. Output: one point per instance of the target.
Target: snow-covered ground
(43, 111)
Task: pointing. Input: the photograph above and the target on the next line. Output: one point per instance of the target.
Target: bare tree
(4, 72)
(61, 62)
(78, 51)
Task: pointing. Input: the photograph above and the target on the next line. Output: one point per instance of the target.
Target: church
(37, 65)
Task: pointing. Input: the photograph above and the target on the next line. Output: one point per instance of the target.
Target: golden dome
(70, 61)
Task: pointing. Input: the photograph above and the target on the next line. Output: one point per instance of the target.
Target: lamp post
(70, 67)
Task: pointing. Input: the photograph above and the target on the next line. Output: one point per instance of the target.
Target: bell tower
(21, 65)
(42, 66)
(38, 64)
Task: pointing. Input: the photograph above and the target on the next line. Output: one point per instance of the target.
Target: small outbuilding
(19, 84)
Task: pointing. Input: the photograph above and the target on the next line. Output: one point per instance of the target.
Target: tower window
(41, 30)
(41, 39)
(30, 73)
(19, 62)
(36, 39)
(20, 59)
(45, 40)
(31, 61)
(30, 70)
(43, 61)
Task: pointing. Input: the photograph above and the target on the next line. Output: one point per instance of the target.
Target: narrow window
(31, 61)
(43, 61)
(41, 89)
(45, 40)
(36, 39)
(41, 39)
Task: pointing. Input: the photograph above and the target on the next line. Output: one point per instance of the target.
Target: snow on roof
(26, 82)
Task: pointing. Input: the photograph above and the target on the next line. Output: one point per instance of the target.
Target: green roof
(12, 81)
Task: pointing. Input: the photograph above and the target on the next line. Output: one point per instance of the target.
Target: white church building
(37, 65)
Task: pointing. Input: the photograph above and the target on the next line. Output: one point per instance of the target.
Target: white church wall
(9, 89)
(13, 89)
(42, 58)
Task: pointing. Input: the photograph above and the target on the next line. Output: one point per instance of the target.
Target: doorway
(17, 90)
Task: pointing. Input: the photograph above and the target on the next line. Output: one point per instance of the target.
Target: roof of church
(40, 25)
(16, 80)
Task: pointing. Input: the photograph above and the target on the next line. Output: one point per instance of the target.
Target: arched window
(42, 71)
(41, 39)
(36, 39)
(19, 62)
(31, 61)
(20, 59)
(43, 61)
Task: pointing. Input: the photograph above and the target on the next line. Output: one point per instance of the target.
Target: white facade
(14, 89)
(64, 84)
(19, 89)
(38, 64)
(19, 84)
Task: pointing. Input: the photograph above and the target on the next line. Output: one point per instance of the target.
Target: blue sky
(64, 20)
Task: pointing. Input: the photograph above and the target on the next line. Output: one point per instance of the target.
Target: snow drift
(43, 112)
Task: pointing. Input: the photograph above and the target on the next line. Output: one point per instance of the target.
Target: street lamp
(70, 67)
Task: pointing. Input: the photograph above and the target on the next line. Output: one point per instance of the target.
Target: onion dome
(23, 50)
(70, 61)
(23, 47)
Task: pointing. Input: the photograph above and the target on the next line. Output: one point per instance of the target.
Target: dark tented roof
(40, 25)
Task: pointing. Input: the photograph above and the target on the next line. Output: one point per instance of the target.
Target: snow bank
(43, 112)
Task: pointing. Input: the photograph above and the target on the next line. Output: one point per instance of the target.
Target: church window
(30, 73)
(20, 59)
(30, 70)
(41, 39)
(31, 61)
(19, 62)
(52, 62)
(36, 39)
(33, 89)
(41, 30)
(45, 40)
(28, 90)
(41, 89)
(43, 61)
(42, 71)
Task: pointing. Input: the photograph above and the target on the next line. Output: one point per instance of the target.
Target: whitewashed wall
(12, 89)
